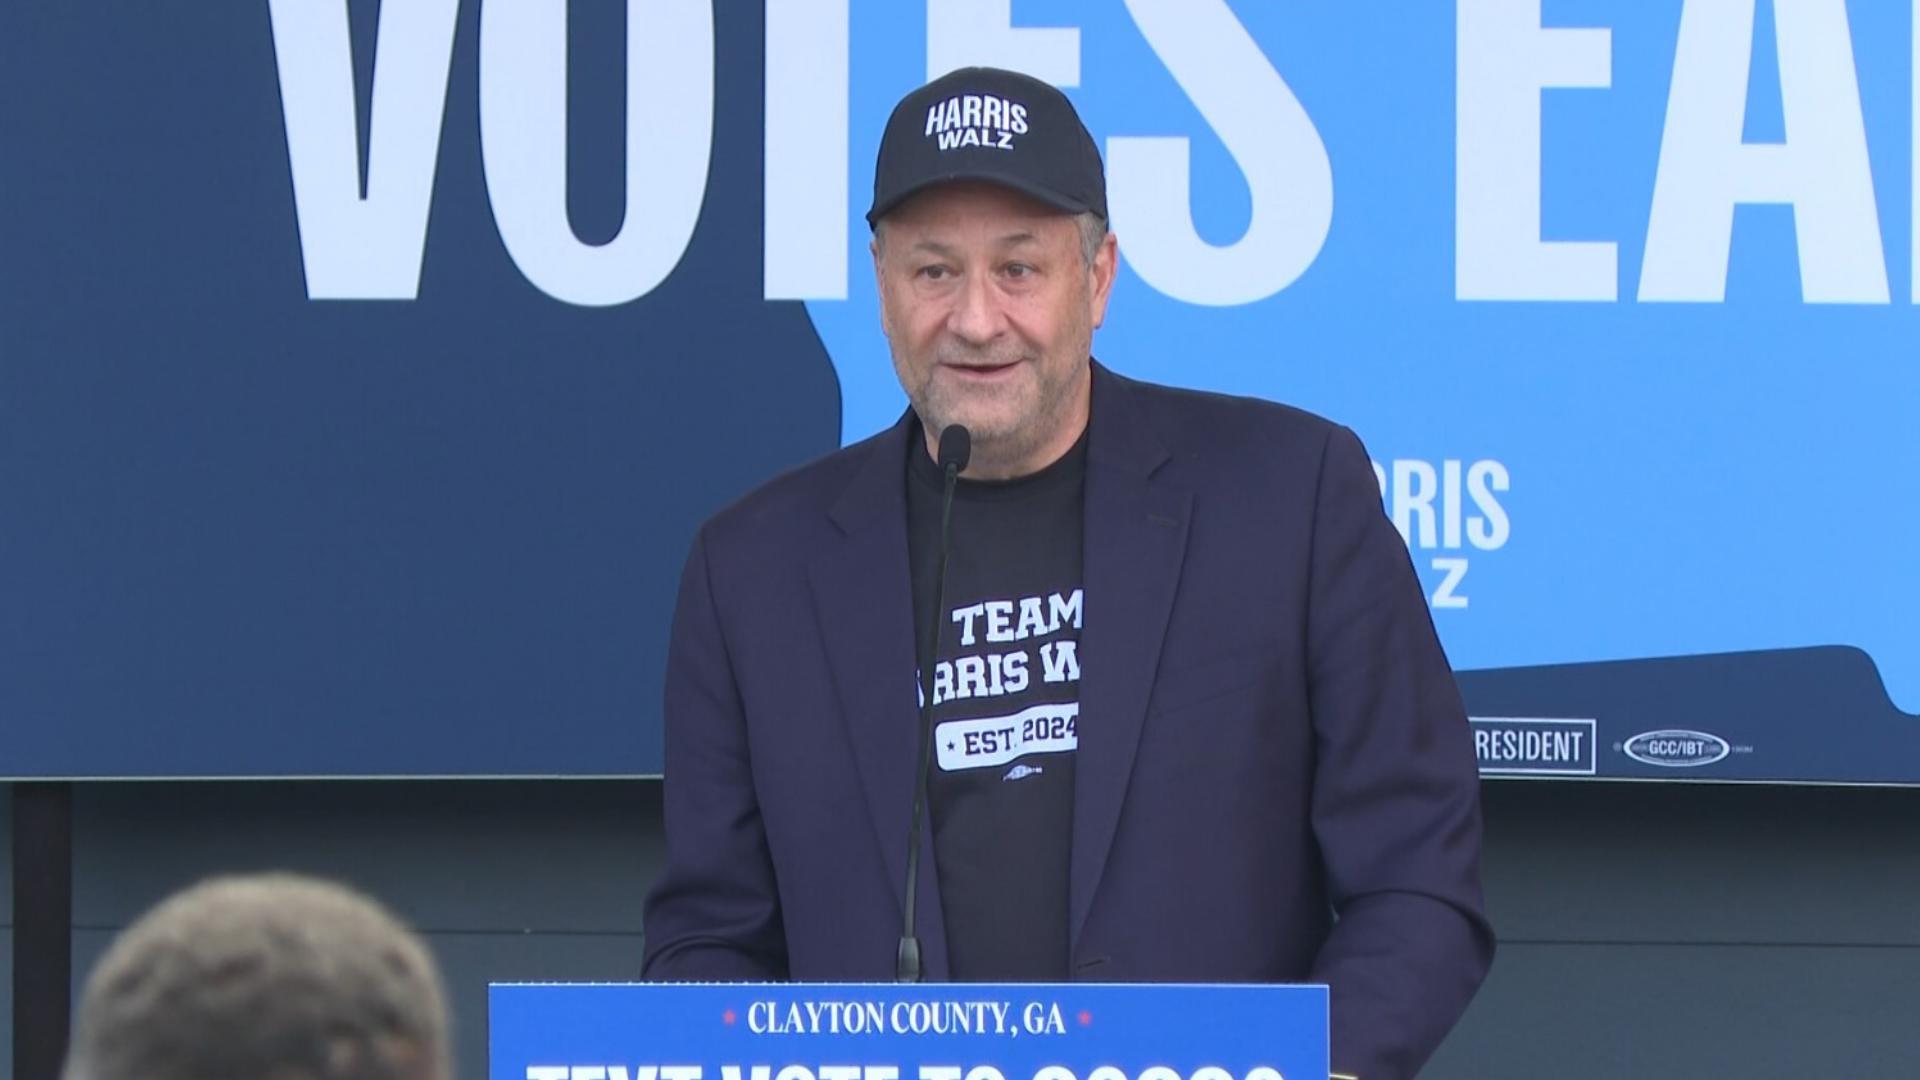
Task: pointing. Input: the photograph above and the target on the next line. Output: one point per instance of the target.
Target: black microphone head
(956, 446)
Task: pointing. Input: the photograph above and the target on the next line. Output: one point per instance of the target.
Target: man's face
(989, 307)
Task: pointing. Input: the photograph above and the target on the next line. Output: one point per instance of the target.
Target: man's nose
(976, 317)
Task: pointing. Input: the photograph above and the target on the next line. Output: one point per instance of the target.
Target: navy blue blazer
(1275, 779)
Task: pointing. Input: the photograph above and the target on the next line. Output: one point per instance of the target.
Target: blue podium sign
(888, 1032)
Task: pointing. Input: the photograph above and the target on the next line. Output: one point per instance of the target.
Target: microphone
(956, 446)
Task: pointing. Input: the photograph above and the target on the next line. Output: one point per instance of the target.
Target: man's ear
(1106, 264)
(880, 283)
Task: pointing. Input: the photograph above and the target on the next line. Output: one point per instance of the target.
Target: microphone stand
(956, 446)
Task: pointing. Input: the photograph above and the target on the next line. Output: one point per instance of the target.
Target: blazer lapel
(1135, 540)
(863, 595)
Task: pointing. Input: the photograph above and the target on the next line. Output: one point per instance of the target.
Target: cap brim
(1038, 192)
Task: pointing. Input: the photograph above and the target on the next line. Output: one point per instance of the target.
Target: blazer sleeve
(714, 913)
(1396, 796)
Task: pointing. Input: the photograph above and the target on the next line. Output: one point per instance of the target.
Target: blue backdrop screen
(367, 367)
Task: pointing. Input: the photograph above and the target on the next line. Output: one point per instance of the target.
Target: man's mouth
(981, 371)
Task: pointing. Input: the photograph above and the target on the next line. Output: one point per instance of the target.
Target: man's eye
(1018, 270)
(934, 273)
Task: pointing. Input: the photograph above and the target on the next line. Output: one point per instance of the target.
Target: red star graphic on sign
(728, 1016)
(1085, 1018)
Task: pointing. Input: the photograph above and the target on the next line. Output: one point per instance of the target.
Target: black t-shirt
(1006, 704)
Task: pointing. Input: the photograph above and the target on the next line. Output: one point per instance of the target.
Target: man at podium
(1181, 711)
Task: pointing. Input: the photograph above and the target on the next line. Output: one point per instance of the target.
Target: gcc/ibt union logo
(1676, 748)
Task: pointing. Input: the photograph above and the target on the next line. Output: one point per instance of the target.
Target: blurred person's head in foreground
(269, 977)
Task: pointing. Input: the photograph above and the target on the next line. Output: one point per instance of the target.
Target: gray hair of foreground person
(270, 977)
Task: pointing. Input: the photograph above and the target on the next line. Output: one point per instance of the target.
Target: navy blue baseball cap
(997, 126)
